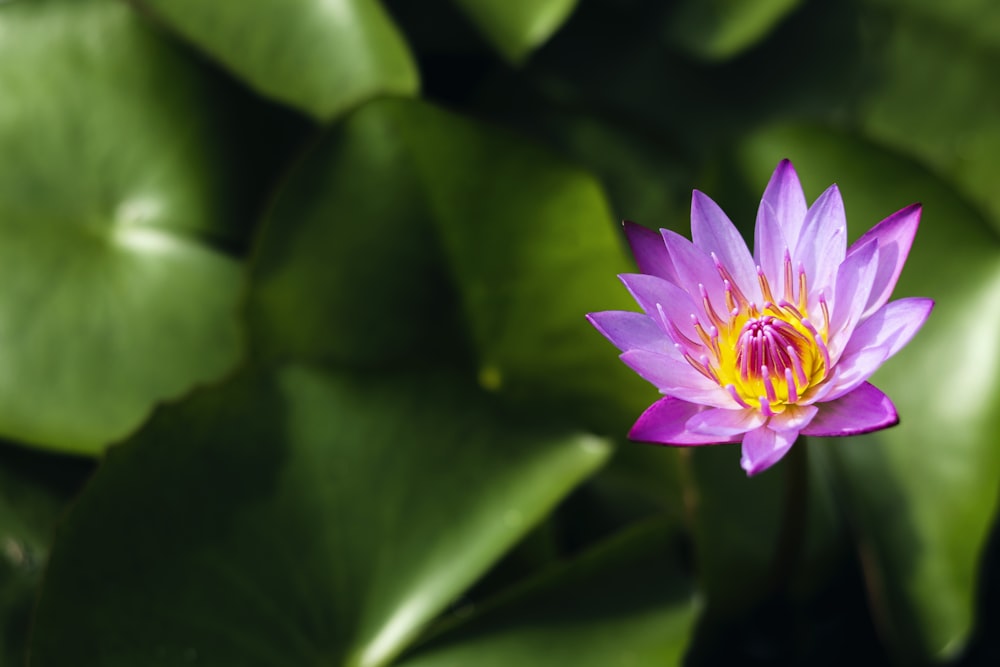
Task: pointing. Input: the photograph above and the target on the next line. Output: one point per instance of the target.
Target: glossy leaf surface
(299, 517)
(108, 185)
(620, 604)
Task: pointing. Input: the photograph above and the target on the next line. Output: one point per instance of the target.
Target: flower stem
(791, 536)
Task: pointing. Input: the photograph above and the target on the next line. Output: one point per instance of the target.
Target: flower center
(766, 356)
(771, 358)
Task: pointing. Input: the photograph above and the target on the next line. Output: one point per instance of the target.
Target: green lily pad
(935, 65)
(109, 176)
(488, 254)
(297, 517)
(623, 603)
(517, 27)
(923, 495)
(321, 57)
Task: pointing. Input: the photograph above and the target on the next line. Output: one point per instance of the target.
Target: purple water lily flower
(761, 349)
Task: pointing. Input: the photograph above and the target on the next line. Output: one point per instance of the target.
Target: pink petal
(664, 423)
(854, 282)
(818, 393)
(694, 268)
(667, 370)
(863, 410)
(878, 338)
(630, 331)
(892, 326)
(794, 418)
(667, 304)
(770, 246)
(895, 237)
(649, 251)
(763, 447)
(713, 232)
(725, 423)
(787, 203)
(849, 373)
(674, 376)
(822, 245)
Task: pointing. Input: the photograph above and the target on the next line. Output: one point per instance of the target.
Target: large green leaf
(319, 56)
(531, 247)
(488, 247)
(623, 603)
(935, 88)
(296, 518)
(517, 27)
(111, 169)
(922, 496)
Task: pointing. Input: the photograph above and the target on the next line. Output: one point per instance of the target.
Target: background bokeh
(293, 361)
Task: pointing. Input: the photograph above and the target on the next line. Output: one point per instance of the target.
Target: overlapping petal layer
(758, 348)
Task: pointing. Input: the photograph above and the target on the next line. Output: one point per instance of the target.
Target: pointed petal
(674, 376)
(895, 237)
(666, 304)
(725, 423)
(878, 338)
(713, 232)
(854, 282)
(863, 410)
(769, 247)
(630, 331)
(822, 245)
(787, 202)
(763, 447)
(694, 268)
(892, 326)
(650, 254)
(664, 423)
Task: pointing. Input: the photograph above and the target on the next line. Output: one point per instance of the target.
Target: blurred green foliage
(293, 364)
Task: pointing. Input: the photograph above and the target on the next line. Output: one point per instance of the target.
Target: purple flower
(760, 349)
